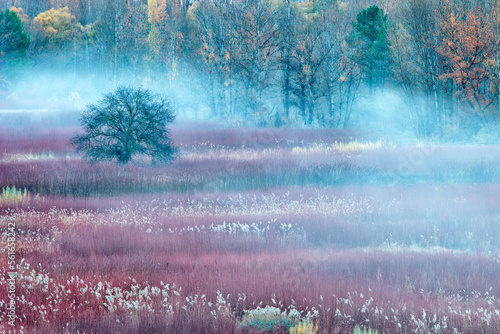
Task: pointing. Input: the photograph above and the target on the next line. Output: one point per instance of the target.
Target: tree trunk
(497, 52)
(74, 54)
(286, 86)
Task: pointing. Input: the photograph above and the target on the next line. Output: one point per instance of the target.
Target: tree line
(276, 62)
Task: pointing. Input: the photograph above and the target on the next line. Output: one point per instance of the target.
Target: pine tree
(370, 41)
(14, 41)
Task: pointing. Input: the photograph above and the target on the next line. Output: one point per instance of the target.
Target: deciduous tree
(309, 55)
(217, 47)
(125, 124)
(417, 64)
(341, 73)
(493, 15)
(466, 46)
(257, 31)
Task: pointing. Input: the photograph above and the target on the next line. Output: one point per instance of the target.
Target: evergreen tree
(370, 42)
(14, 42)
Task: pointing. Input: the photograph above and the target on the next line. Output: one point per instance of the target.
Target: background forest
(429, 68)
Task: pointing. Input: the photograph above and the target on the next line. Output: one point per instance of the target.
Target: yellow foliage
(191, 13)
(153, 17)
(20, 14)
(352, 146)
(357, 146)
(304, 327)
(50, 31)
(55, 18)
(11, 196)
(57, 24)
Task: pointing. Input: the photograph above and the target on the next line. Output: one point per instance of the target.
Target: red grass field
(252, 231)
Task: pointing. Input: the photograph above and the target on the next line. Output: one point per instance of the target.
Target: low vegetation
(144, 254)
(13, 196)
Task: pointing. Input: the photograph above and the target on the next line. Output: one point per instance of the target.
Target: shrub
(268, 319)
(12, 196)
(366, 330)
(304, 327)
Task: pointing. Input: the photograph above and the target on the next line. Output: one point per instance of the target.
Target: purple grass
(243, 222)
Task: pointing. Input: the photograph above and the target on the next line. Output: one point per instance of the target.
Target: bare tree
(126, 123)
(215, 27)
(257, 24)
(287, 40)
(342, 75)
(309, 56)
(418, 64)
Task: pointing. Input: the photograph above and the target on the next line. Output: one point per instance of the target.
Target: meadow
(252, 231)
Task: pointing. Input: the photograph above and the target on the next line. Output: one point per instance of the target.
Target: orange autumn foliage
(466, 45)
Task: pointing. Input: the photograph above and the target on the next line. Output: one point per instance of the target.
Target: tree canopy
(370, 41)
(125, 124)
(14, 40)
